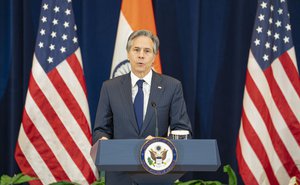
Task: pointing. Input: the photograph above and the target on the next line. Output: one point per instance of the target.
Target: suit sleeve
(179, 119)
(104, 118)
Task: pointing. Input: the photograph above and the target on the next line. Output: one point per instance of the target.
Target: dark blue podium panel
(124, 155)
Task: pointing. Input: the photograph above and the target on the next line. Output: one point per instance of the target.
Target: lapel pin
(159, 87)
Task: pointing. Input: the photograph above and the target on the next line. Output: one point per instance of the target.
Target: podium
(124, 155)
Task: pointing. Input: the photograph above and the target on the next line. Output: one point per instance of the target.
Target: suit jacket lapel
(155, 95)
(127, 100)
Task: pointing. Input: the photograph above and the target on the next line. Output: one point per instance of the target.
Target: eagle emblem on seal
(158, 155)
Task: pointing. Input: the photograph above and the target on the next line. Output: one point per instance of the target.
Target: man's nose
(141, 54)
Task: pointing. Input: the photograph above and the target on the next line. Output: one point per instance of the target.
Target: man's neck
(141, 75)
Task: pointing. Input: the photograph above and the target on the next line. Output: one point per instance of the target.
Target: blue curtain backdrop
(204, 44)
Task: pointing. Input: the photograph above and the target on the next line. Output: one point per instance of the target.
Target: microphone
(153, 104)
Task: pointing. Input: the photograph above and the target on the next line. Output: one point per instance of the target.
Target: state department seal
(158, 156)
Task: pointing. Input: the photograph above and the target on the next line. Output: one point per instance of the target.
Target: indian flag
(134, 15)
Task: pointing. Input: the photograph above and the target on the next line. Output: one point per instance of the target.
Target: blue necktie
(139, 104)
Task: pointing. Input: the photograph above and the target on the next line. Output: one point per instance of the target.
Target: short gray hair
(145, 33)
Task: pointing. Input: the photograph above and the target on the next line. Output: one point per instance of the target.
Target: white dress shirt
(146, 88)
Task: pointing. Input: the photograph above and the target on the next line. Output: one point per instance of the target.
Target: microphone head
(153, 104)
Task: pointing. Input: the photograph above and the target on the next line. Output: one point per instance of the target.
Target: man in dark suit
(126, 104)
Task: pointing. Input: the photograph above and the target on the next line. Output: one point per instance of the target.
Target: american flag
(268, 149)
(55, 135)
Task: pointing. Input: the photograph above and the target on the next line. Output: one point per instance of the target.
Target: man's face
(141, 56)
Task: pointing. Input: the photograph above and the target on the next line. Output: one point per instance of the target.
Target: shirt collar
(146, 78)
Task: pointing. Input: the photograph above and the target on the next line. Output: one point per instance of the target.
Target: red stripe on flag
(261, 106)
(61, 132)
(291, 71)
(70, 102)
(43, 149)
(78, 71)
(24, 165)
(259, 149)
(244, 170)
(274, 97)
(283, 106)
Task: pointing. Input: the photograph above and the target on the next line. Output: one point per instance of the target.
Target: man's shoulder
(168, 79)
(116, 80)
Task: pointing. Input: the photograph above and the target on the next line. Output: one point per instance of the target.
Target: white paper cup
(180, 134)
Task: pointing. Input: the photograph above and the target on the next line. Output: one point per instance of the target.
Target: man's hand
(149, 137)
(103, 138)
